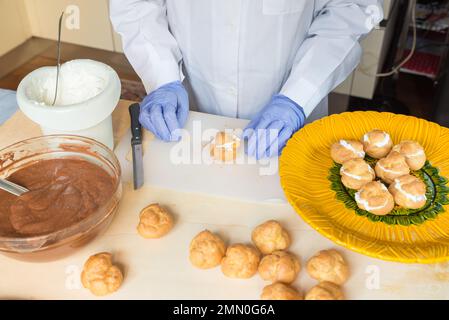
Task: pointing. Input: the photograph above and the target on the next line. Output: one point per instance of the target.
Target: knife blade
(136, 145)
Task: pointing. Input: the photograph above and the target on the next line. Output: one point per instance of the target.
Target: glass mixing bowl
(60, 243)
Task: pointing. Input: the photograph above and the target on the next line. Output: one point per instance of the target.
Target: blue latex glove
(270, 130)
(165, 110)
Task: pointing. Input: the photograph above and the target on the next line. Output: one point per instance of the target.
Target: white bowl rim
(64, 107)
(63, 117)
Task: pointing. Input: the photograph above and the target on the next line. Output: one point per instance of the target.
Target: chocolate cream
(62, 193)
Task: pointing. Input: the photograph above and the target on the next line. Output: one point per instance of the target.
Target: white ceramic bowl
(90, 118)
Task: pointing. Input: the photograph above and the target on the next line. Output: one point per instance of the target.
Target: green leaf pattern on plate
(437, 197)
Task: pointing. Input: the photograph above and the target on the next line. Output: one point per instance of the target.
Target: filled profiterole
(380, 172)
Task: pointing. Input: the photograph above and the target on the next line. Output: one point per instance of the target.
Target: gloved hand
(270, 130)
(165, 110)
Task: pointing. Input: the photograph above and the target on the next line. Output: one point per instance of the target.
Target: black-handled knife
(136, 145)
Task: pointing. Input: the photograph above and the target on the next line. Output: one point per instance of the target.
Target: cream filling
(228, 146)
(354, 176)
(418, 153)
(348, 146)
(366, 205)
(379, 144)
(408, 195)
(389, 170)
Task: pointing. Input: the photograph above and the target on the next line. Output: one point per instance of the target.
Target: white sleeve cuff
(304, 96)
(154, 78)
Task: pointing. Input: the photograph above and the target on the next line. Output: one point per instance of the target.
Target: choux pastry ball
(270, 237)
(100, 276)
(345, 150)
(356, 173)
(280, 291)
(375, 198)
(224, 147)
(206, 250)
(279, 266)
(328, 265)
(414, 154)
(155, 222)
(392, 167)
(325, 291)
(409, 192)
(377, 143)
(241, 261)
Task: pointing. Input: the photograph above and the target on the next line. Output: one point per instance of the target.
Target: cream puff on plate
(356, 173)
(392, 167)
(377, 143)
(414, 154)
(409, 192)
(345, 150)
(375, 198)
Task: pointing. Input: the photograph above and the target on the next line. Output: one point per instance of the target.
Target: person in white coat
(270, 61)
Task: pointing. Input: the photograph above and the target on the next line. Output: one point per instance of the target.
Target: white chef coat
(236, 54)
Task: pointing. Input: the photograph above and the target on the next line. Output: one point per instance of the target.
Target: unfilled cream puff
(280, 291)
(328, 265)
(392, 167)
(270, 236)
(155, 222)
(345, 150)
(414, 154)
(280, 266)
(375, 198)
(240, 262)
(206, 250)
(409, 192)
(100, 275)
(377, 143)
(356, 173)
(325, 291)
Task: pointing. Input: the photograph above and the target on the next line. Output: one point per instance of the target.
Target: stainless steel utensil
(11, 187)
(136, 144)
(59, 57)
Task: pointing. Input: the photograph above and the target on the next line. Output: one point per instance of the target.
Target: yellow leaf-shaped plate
(304, 171)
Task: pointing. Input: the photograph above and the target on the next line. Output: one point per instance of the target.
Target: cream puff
(409, 192)
(375, 198)
(100, 275)
(325, 291)
(279, 266)
(270, 236)
(413, 152)
(206, 250)
(356, 173)
(377, 143)
(240, 262)
(392, 167)
(224, 147)
(328, 265)
(155, 222)
(280, 291)
(345, 150)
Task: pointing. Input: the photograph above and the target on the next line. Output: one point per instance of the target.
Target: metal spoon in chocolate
(12, 188)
